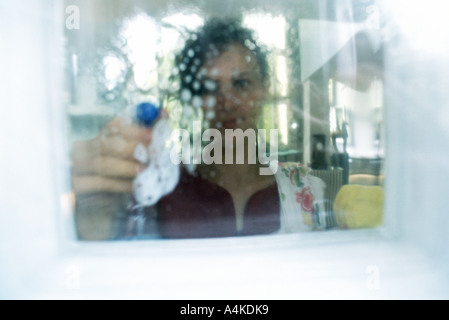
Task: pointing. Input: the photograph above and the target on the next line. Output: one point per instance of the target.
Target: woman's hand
(110, 162)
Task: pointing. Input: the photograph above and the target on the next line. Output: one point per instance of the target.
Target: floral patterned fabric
(302, 198)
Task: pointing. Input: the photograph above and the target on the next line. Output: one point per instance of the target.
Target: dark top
(198, 208)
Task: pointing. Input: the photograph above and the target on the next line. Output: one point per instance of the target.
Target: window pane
(218, 120)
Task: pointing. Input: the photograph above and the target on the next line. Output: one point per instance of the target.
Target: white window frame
(40, 257)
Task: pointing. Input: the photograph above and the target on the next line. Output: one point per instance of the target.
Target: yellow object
(358, 206)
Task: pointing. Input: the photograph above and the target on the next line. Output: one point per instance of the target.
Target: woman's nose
(226, 100)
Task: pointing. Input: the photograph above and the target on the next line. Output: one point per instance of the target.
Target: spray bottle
(160, 175)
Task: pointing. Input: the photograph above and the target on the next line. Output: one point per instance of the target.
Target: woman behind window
(223, 71)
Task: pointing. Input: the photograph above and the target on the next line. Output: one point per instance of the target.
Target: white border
(39, 262)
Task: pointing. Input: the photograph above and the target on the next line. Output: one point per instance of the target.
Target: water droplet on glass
(210, 102)
(187, 112)
(186, 95)
(190, 53)
(110, 96)
(197, 102)
(210, 115)
(196, 85)
(174, 87)
(235, 72)
(188, 78)
(210, 85)
(201, 73)
(215, 72)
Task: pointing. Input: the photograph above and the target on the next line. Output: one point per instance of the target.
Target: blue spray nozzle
(146, 113)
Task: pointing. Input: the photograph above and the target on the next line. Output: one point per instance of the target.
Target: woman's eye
(242, 83)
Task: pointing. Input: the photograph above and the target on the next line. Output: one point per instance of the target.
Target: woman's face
(233, 89)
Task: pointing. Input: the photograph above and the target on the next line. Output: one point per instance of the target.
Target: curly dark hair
(210, 41)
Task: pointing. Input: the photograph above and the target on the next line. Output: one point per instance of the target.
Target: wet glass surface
(309, 74)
